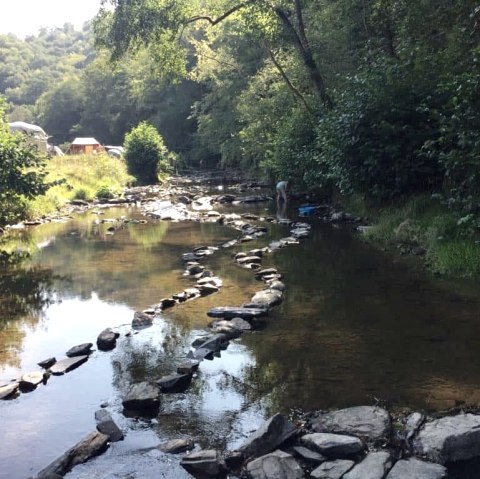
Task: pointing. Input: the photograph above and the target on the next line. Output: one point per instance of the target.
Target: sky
(26, 17)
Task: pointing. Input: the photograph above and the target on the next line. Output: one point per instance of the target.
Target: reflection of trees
(150, 236)
(24, 294)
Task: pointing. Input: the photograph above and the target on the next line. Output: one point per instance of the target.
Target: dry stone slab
(449, 439)
(332, 469)
(68, 364)
(368, 422)
(416, 469)
(374, 466)
(333, 445)
(94, 444)
(268, 437)
(277, 465)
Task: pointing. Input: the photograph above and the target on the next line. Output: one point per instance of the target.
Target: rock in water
(47, 363)
(232, 312)
(142, 396)
(268, 437)
(80, 350)
(176, 446)
(94, 444)
(8, 390)
(207, 463)
(107, 426)
(265, 299)
(174, 383)
(107, 340)
(141, 320)
(30, 381)
(67, 364)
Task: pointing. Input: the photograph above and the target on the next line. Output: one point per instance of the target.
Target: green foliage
(145, 153)
(22, 172)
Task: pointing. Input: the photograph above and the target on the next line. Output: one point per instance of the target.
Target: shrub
(145, 153)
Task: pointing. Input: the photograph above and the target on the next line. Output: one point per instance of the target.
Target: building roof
(34, 130)
(85, 141)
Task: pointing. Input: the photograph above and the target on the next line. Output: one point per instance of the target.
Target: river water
(357, 326)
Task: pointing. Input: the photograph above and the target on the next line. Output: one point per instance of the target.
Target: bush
(145, 153)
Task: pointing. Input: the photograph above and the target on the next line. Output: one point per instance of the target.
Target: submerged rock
(277, 465)
(106, 425)
(269, 436)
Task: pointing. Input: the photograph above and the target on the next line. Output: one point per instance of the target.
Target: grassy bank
(423, 225)
(80, 177)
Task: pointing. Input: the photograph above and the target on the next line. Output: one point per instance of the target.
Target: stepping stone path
(68, 364)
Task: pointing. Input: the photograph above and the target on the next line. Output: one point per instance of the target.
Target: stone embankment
(354, 443)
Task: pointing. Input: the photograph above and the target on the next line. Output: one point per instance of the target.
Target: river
(357, 326)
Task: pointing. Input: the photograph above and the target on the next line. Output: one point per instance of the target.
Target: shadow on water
(356, 326)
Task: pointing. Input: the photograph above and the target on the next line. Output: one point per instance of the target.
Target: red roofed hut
(85, 146)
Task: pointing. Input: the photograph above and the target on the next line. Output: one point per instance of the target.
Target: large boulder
(368, 422)
(207, 463)
(94, 444)
(416, 469)
(142, 396)
(268, 437)
(333, 445)
(374, 466)
(454, 438)
(332, 469)
(277, 465)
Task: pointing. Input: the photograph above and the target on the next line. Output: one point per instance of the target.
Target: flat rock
(308, 455)
(46, 363)
(368, 422)
(141, 320)
(277, 465)
(29, 381)
(174, 383)
(416, 469)
(249, 259)
(265, 299)
(232, 312)
(142, 396)
(80, 350)
(176, 446)
(207, 463)
(206, 289)
(453, 438)
(8, 390)
(265, 271)
(94, 444)
(268, 437)
(68, 364)
(106, 425)
(333, 445)
(374, 466)
(107, 340)
(226, 328)
(333, 469)
(200, 354)
(213, 343)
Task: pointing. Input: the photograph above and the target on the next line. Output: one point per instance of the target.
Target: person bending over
(282, 191)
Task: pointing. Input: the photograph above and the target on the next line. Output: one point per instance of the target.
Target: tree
(145, 153)
(21, 171)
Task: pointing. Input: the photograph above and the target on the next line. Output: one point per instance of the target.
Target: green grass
(450, 240)
(83, 177)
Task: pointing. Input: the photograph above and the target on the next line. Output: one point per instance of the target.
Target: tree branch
(301, 24)
(222, 17)
(295, 92)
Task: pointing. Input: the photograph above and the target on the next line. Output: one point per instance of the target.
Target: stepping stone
(233, 312)
(8, 390)
(46, 363)
(141, 320)
(249, 259)
(142, 396)
(80, 350)
(265, 271)
(265, 299)
(107, 426)
(206, 289)
(107, 340)
(200, 354)
(277, 465)
(30, 381)
(207, 463)
(167, 303)
(334, 445)
(335, 469)
(68, 364)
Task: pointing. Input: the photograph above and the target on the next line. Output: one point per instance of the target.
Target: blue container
(306, 210)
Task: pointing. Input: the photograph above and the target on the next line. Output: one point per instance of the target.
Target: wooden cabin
(85, 146)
